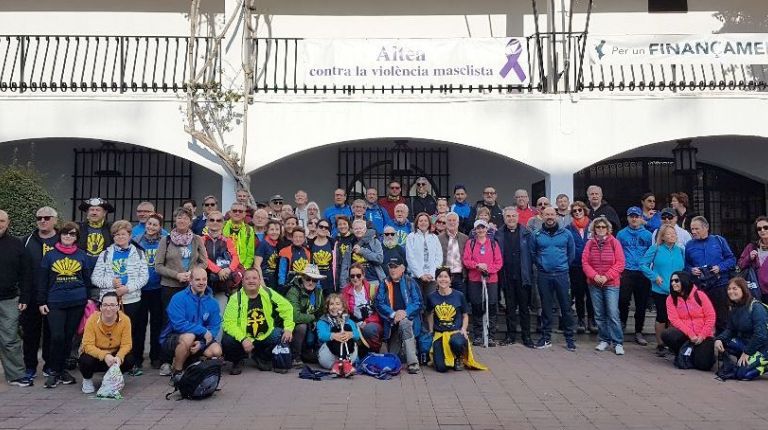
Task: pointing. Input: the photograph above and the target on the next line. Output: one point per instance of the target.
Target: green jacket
(299, 298)
(245, 242)
(236, 313)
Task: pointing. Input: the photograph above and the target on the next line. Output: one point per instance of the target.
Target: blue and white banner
(413, 62)
(742, 48)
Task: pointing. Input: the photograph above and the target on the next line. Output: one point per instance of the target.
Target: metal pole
(538, 44)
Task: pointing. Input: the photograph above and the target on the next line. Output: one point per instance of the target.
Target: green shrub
(21, 194)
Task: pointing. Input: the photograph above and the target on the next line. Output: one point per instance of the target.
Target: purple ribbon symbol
(513, 51)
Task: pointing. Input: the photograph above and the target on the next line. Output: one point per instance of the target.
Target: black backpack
(199, 380)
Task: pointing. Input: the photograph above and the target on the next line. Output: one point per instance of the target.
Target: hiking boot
(602, 346)
(165, 369)
(263, 365)
(237, 368)
(88, 387)
(640, 339)
(414, 368)
(507, 341)
(21, 382)
(336, 368)
(661, 351)
(581, 328)
(66, 379)
(619, 349)
(543, 343)
(296, 363)
(591, 326)
(528, 342)
(51, 381)
(347, 368)
(491, 343)
(570, 345)
(458, 365)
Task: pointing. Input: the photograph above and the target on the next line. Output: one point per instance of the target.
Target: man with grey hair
(599, 207)
(516, 279)
(522, 203)
(15, 287)
(33, 323)
(423, 201)
(490, 201)
(536, 221)
(452, 241)
(400, 223)
(301, 199)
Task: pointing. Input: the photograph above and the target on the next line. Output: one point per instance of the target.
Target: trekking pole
(485, 315)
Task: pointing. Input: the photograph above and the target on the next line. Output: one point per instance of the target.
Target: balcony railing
(118, 64)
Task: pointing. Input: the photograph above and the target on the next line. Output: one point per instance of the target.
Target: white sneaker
(88, 387)
(619, 350)
(165, 370)
(602, 346)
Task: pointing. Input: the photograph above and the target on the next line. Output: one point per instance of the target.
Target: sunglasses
(393, 265)
(323, 227)
(237, 211)
(439, 222)
(763, 228)
(489, 192)
(675, 280)
(72, 233)
(44, 218)
(542, 205)
(277, 202)
(421, 184)
(389, 234)
(600, 226)
(310, 280)
(216, 219)
(481, 226)
(208, 205)
(667, 217)
(355, 275)
(577, 210)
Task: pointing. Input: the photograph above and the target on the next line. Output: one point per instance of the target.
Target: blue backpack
(380, 366)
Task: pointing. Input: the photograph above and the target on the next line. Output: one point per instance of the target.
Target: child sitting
(338, 334)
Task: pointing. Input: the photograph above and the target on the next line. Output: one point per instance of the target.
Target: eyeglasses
(601, 227)
(481, 226)
(215, 219)
(276, 202)
(389, 234)
(44, 218)
(323, 227)
(209, 205)
(355, 275)
(489, 192)
(669, 217)
(421, 184)
(578, 210)
(674, 280)
(72, 233)
(763, 228)
(237, 211)
(439, 222)
(310, 280)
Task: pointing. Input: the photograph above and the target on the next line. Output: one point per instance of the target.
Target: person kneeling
(448, 317)
(249, 323)
(194, 321)
(106, 341)
(339, 336)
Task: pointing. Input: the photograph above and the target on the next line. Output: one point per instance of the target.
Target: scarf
(96, 224)
(69, 250)
(581, 223)
(181, 239)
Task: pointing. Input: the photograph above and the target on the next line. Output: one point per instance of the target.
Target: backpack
(199, 380)
(380, 366)
(473, 242)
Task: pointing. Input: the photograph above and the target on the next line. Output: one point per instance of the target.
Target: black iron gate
(128, 176)
(368, 167)
(729, 201)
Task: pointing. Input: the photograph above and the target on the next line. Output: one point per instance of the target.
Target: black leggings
(634, 283)
(90, 365)
(33, 324)
(703, 354)
(580, 294)
(150, 310)
(63, 325)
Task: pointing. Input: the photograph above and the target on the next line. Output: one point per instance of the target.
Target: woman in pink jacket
(603, 262)
(482, 258)
(692, 319)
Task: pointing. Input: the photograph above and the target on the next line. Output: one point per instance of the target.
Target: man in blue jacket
(635, 239)
(552, 250)
(709, 258)
(376, 215)
(339, 207)
(398, 302)
(194, 321)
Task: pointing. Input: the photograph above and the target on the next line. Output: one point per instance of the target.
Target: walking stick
(485, 315)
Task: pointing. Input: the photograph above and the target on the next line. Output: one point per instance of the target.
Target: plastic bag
(112, 383)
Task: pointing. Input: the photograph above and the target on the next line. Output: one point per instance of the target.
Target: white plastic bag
(112, 383)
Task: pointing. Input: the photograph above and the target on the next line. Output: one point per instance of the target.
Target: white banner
(413, 62)
(679, 49)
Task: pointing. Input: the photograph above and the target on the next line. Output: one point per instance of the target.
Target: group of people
(420, 278)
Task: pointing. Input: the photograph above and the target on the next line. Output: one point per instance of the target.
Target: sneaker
(47, 372)
(570, 345)
(156, 364)
(491, 343)
(347, 368)
(602, 346)
(21, 382)
(619, 349)
(414, 368)
(237, 368)
(165, 369)
(528, 342)
(297, 363)
(263, 365)
(477, 342)
(51, 381)
(661, 351)
(176, 377)
(543, 343)
(30, 374)
(640, 339)
(507, 341)
(88, 387)
(66, 379)
(581, 328)
(136, 371)
(592, 326)
(336, 368)
(458, 365)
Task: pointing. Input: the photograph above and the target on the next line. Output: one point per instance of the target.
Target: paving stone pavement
(524, 389)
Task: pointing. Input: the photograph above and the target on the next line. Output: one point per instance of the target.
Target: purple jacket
(762, 271)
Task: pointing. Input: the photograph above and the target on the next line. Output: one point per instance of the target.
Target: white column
(560, 183)
(228, 188)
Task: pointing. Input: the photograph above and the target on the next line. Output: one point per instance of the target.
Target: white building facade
(575, 122)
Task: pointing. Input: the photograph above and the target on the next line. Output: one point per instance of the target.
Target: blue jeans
(555, 286)
(606, 303)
